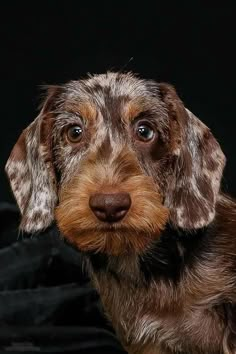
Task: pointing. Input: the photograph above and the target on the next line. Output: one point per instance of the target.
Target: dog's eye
(74, 133)
(144, 132)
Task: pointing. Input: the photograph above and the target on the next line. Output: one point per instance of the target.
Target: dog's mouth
(113, 239)
(116, 229)
(112, 227)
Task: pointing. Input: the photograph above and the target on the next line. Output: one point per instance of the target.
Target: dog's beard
(141, 225)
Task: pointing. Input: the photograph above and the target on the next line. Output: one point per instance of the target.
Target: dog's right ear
(30, 169)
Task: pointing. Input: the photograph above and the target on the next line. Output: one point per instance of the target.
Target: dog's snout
(110, 207)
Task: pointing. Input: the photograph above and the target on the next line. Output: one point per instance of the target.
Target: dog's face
(114, 158)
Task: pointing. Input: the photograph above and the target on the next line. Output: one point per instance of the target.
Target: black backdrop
(190, 44)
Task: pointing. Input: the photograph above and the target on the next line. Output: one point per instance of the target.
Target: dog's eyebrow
(86, 109)
(133, 109)
(142, 115)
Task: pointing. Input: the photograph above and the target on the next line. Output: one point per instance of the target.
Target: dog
(132, 179)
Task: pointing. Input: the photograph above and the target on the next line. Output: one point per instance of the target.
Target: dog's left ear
(30, 169)
(197, 169)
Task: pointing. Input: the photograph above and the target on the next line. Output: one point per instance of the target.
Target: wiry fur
(166, 271)
(144, 222)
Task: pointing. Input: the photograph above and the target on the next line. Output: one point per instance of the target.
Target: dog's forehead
(112, 93)
(114, 84)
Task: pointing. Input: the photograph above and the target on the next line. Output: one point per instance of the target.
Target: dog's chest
(142, 318)
(182, 332)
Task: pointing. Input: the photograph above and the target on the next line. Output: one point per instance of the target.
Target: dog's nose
(110, 207)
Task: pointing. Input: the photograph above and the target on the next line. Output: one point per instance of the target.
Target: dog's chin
(111, 240)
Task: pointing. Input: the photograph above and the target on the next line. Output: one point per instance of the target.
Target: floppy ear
(194, 184)
(30, 170)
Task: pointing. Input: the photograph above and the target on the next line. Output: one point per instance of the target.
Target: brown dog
(132, 178)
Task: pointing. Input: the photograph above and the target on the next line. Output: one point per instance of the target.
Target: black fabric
(47, 303)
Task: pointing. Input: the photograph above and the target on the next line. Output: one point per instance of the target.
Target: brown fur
(166, 271)
(86, 109)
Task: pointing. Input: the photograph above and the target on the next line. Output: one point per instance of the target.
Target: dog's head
(113, 158)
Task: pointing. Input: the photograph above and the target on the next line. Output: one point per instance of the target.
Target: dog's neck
(164, 259)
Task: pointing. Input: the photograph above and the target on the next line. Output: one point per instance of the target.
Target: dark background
(189, 44)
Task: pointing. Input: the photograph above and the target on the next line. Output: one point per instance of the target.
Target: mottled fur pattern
(166, 271)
